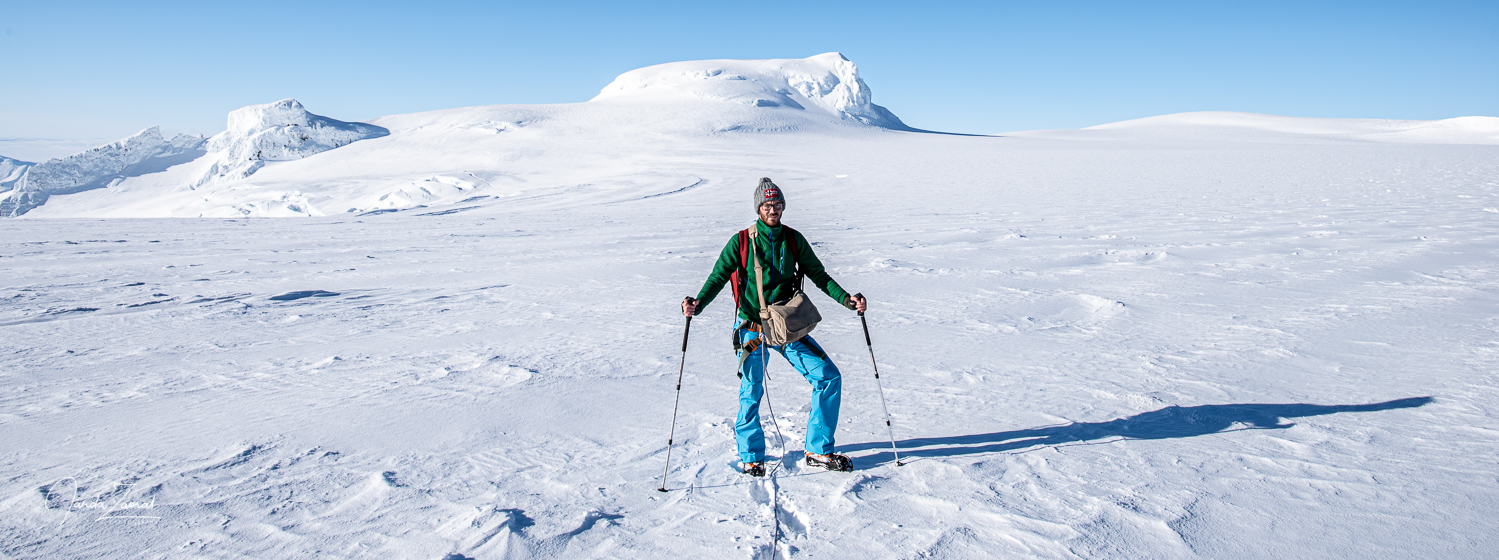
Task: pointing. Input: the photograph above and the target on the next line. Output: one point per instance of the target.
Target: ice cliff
(827, 83)
(146, 152)
(279, 131)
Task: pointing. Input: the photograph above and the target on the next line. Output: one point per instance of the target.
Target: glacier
(279, 160)
(685, 100)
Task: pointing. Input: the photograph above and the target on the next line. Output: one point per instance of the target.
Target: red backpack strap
(738, 277)
(796, 257)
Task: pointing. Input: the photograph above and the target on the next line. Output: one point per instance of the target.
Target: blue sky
(104, 70)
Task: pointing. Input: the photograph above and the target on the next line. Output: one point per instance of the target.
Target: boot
(831, 461)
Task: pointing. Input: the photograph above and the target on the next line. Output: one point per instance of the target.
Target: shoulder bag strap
(759, 275)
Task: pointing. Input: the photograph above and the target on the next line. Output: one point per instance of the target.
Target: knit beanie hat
(766, 192)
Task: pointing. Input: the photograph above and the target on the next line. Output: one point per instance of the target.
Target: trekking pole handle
(688, 330)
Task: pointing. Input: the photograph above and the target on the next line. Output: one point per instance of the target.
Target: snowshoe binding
(831, 461)
(756, 470)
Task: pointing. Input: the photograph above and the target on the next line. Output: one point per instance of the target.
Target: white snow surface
(1186, 341)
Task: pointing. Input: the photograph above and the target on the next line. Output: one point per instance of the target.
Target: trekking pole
(673, 435)
(888, 429)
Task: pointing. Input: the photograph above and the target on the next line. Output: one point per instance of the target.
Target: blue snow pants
(827, 390)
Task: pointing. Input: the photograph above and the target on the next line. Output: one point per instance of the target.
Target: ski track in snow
(1090, 350)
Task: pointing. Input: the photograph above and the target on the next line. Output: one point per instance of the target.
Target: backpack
(740, 276)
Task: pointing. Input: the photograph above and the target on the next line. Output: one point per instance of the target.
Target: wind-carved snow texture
(280, 131)
(827, 82)
(144, 153)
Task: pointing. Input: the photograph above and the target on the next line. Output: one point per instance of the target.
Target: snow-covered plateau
(1203, 335)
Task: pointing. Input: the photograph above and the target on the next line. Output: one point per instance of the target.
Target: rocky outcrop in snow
(146, 152)
(827, 82)
(279, 131)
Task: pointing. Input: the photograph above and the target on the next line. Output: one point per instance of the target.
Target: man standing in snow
(786, 257)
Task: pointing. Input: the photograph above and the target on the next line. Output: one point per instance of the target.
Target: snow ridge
(828, 82)
(1250, 126)
(145, 152)
(11, 170)
(280, 131)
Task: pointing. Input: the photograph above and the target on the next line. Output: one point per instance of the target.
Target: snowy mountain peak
(828, 82)
(286, 112)
(279, 131)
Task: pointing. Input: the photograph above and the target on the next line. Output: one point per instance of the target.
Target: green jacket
(779, 265)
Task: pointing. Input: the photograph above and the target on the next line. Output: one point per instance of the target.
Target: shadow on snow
(1166, 423)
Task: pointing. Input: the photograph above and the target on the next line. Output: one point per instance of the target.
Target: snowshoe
(831, 461)
(754, 469)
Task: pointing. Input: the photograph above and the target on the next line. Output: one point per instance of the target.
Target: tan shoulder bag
(782, 323)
